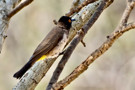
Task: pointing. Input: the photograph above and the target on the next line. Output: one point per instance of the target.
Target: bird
(51, 46)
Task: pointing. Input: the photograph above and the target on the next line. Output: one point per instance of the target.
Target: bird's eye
(69, 21)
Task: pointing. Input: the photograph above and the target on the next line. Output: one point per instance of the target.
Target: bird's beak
(72, 19)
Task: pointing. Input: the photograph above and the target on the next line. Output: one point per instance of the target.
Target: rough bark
(7, 10)
(82, 18)
(33, 76)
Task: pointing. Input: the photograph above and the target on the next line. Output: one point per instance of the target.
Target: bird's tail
(21, 72)
(29, 64)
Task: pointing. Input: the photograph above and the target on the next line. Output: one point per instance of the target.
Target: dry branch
(75, 42)
(18, 8)
(76, 8)
(73, 45)
(33, 76)
(81, 18)
(120, 30)
(6, 12)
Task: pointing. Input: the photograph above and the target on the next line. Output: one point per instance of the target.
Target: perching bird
(52, 45)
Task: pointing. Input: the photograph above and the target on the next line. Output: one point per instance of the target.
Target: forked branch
(120, 30)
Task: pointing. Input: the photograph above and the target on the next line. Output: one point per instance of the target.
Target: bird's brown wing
(49, 42)
(43, 48)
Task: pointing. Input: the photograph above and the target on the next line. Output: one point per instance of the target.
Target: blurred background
(114, 70)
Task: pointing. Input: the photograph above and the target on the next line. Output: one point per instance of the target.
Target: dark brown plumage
(53, 40)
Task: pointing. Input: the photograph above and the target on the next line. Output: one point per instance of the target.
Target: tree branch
(33, 76)
(6, 7)
(125, 17)
(98, 52)
(71, 48)
(81, 18)
(74, 10)
(18, 8)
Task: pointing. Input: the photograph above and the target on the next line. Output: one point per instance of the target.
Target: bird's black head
(66, 21)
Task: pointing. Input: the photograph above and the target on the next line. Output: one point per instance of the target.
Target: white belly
(59, 48)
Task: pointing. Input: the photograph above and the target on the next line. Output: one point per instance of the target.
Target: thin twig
(126, 14)
(18, 8)
(125, 17)
(98, 52)
(83, 43)
(130, 26)
(55, 22)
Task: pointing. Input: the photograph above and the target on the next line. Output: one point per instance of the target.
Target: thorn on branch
(108, 37)
(81, 33)
(83, 43)
(5, 36)
(55, 22)
(62, 52)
